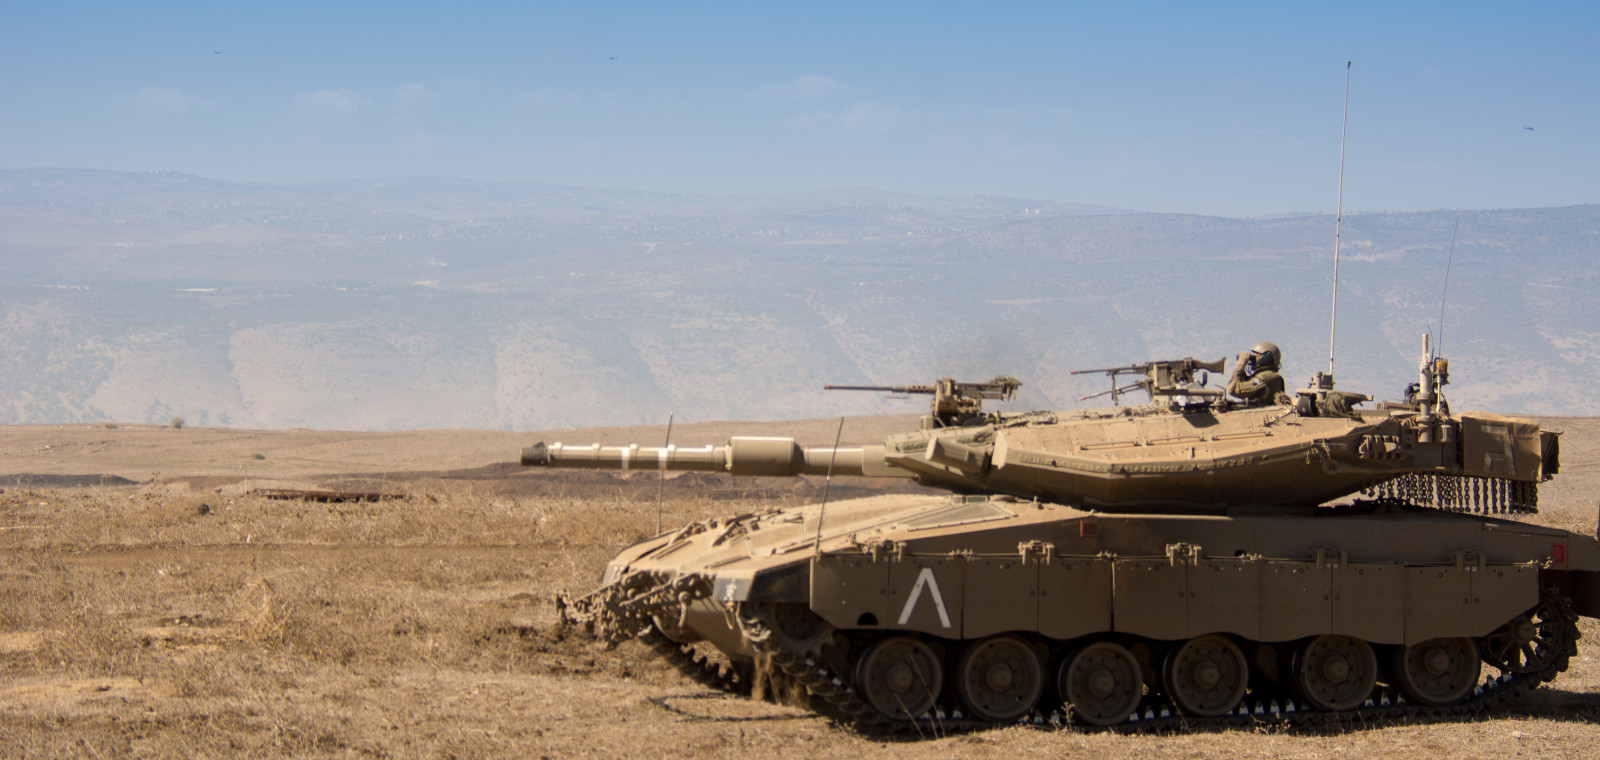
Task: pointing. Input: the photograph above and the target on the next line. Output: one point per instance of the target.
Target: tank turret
(1190, 449)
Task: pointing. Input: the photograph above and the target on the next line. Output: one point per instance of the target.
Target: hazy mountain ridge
(414, 303)
(122, 222)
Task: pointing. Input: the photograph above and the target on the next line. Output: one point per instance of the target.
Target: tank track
(697, 667)
(836, 699)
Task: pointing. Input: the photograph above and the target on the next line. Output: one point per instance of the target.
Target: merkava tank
(1194, 558)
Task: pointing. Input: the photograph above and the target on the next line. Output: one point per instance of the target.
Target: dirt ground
(152, 606)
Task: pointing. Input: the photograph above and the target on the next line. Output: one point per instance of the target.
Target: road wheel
(1206, 676)
(1335, 672)
(899, 676)
(1437, 672)
(1102, 684)
(999, 678)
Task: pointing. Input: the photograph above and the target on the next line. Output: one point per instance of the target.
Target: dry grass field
(180, 615)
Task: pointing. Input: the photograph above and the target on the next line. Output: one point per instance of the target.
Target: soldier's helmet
(1268, 355)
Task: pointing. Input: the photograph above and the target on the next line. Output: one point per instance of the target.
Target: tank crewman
(1255, 376)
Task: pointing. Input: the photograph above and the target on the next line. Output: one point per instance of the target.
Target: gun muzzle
(537, 455)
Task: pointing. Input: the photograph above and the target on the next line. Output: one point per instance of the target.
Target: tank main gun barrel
(743, 455)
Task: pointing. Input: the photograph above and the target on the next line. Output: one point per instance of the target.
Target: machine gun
(1171, 379)
(954, 403)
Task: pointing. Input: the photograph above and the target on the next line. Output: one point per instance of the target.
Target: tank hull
(941, 582)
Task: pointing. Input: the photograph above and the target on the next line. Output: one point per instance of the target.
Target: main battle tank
(1193, 558)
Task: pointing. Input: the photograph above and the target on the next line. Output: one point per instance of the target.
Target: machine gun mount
(1173, 380)
(955, 404)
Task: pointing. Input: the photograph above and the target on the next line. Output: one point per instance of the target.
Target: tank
(1196, 559)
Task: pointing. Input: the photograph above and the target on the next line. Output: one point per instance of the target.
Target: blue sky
(1228, 109)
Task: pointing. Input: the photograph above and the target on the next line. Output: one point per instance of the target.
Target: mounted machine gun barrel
(1169, 378)
(955, 404)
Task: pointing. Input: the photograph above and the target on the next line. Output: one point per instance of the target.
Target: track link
(697, 667)
(838, 700)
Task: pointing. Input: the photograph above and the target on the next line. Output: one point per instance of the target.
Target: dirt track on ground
(179, 615)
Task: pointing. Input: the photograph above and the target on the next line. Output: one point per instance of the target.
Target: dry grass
(132, 622)
(171, 620)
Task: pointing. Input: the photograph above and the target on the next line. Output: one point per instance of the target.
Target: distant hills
(433, 303)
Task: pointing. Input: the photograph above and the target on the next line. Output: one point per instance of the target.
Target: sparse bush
(176, 423)
(111, 426)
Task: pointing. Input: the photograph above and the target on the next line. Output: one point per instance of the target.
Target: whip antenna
(1333, 329)
(661, 485)
(832, 456)
(1444, 298)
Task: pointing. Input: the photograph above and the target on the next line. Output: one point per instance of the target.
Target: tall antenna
(1333, 329)
(837, 436)
(1444, 297)
(661, 485)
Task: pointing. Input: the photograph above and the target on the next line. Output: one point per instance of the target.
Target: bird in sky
(1530, 129)
(216, 52)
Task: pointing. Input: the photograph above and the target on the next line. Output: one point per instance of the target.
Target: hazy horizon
(775, 194)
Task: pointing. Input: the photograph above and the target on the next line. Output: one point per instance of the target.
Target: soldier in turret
(1255, 376)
